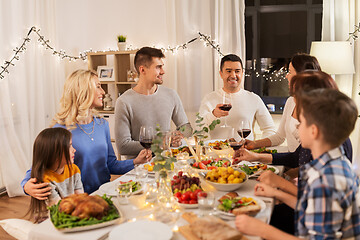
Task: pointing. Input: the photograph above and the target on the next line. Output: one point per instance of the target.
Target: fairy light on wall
(83, 55)
(268, 74)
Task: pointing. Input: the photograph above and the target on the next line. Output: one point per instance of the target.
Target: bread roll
(251, 210)
(213, 228)
(229, 195)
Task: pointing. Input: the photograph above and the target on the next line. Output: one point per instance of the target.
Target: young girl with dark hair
(53, 163)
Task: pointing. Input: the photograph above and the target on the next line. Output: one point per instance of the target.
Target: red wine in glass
(226, 107)
(146, 143)
(245, 132)
(235, 145)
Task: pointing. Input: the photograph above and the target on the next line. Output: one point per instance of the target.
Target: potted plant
(121, 42)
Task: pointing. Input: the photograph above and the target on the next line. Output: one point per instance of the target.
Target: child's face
(72, 151)
(304, 132)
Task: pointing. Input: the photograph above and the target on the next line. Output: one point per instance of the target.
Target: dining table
(137, 209)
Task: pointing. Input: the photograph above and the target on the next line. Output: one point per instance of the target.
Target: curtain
(339, 19)
(29, 94)
(196, 70)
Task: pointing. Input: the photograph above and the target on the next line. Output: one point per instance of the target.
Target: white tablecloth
(46, 230)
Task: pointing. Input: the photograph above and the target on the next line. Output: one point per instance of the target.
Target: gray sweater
(134, 110)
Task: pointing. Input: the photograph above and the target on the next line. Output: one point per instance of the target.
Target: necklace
(92, 131)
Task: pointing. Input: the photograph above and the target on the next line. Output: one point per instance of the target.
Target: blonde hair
(77, 98)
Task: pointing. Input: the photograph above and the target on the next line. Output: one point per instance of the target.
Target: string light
(269, 75)
(206, 39)
(83, 55)
(353, 35)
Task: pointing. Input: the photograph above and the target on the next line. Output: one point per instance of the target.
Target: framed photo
(106, 73)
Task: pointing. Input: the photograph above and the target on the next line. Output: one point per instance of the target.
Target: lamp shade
(334, 57)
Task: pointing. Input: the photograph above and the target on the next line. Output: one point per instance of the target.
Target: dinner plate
(110, 188)
(230, 216)
(93, 226)
(206, 143)
(141, 230)
(277, 171)
(188, 205)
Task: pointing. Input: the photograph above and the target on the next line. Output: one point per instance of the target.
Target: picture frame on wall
(106, 73)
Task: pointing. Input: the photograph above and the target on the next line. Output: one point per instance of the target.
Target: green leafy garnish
(63, 220)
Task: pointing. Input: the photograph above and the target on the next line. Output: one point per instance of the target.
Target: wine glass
(124, 192)
(226, 105)
(146, 136)
(206, 203)
(245, 128)
(234, 144)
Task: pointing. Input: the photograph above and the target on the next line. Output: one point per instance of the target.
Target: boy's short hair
(143, 57)
(331, 111)
(231, 58)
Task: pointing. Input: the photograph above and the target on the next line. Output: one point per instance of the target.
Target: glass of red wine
(226, 105)
(234, 144)
(245, 129)
(146, 136)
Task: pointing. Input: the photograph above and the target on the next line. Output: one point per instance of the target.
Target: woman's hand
(245, 155)
(144, 156)
(264, 190)
(39, 191)
(270, 178)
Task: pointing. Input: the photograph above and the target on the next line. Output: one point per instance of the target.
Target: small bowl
(225, 187)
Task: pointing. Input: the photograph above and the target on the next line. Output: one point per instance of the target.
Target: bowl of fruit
(225, 178)
(186, 189)
(209, 164)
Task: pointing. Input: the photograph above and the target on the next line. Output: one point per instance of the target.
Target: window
(275, 30)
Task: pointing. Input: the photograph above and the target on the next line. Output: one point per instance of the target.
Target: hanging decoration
(354, 35)
(269, 74)
(83, 55)
(276, 75)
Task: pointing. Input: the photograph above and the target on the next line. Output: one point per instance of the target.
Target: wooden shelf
(106, 112)
(121, 65)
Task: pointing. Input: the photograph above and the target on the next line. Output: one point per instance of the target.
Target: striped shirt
(63, 184)
(328, 199)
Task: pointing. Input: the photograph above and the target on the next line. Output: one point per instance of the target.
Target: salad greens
(227, 205)
(63, 220)
(250, 170)
(135, 186)
(264, 150)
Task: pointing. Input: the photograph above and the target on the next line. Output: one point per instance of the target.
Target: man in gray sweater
(147, 104)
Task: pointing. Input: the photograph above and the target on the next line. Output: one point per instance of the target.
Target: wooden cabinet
(121, 62)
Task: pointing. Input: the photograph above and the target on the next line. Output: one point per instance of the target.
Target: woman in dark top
(283, 216)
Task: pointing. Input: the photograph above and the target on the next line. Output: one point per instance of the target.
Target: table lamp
(334, 57)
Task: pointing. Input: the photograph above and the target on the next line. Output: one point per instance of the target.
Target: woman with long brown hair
(287, 128)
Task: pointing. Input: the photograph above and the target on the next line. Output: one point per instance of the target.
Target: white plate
(90, 227)
(110, 188)
(277, 171)
(141, 230)
(206, 143)
(188, 205)
(230, 216)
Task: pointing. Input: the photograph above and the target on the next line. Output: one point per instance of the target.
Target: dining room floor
(14, 207)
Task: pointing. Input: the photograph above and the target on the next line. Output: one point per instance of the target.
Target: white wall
(85, 24)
